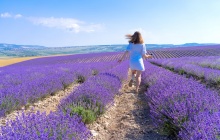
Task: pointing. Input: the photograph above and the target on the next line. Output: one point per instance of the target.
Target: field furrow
(204, 69)
(48, 104)
(128, 118)
(177, 104)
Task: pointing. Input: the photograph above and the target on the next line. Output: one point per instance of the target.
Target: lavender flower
(39, 126)
(176, 100)
(29, 81)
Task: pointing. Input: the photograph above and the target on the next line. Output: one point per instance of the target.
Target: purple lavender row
(181, 106)
(71, 59)
(212, 62)
(23, 84)
(93, 97)
(188, 66)
(94, 94)
(209, 50)
(40, 126)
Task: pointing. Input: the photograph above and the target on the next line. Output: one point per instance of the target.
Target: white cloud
(69, 24)
(8, 15)
(18, 16)
(5, 15)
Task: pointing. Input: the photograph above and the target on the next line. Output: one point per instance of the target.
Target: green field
(21, 51)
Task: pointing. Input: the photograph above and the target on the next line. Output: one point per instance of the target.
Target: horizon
(113, 44)
(54, 23)
(149, 46)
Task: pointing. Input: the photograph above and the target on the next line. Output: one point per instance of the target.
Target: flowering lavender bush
(71, 59)
(208, 62)
(28, 81)
(177, 52)
(88, 100)
(92, 97)
(175, 101)
(191, 66)
(203, 126)
(41, 126)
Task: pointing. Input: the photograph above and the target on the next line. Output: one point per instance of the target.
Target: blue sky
(56, 23)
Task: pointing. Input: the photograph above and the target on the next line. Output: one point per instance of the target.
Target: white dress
(136, 52)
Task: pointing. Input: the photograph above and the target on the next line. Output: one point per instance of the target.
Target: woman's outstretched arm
(145, 56)
(123, 56)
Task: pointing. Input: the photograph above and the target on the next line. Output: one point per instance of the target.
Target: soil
(127, 119)
(47, 105)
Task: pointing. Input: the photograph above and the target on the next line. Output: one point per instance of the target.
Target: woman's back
(136, 51)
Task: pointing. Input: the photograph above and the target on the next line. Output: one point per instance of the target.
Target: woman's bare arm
(145, 56)
(123, 56)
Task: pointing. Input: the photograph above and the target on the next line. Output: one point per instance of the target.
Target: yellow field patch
(9, 61)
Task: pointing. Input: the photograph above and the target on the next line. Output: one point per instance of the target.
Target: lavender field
(204, 68)
(182, 90)
(212, 50)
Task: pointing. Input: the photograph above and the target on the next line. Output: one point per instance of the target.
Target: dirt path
(127, 119)
(46, 105)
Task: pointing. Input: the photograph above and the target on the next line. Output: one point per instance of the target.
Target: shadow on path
(146, 130)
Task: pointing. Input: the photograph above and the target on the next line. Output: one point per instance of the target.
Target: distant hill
(13, 50)
(162, 46)
(197, 44)
(13, 46)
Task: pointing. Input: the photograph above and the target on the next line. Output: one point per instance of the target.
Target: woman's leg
(133, 72)
(138, 79)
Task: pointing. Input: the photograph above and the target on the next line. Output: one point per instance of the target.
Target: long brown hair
(136, 38)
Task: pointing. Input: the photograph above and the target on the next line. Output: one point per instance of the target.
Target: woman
(137, 50)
